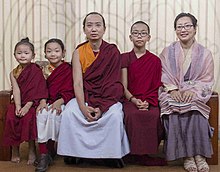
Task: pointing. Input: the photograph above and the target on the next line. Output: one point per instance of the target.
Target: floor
(59, 166)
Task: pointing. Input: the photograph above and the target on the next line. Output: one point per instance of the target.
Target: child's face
(54, 53)
(139, 35)
(23, 54)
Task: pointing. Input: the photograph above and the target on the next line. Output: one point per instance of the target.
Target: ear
(64, 53)
(130, 38)
(34, 54)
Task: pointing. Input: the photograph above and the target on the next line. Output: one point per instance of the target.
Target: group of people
(107, 105)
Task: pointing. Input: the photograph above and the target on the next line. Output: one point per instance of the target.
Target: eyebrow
(93, 22)
(139, 31)
(184, 23)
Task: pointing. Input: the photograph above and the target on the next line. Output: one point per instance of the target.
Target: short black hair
(193, 19)
(141, 22)
(103, 20)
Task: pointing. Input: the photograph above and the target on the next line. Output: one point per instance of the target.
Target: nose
(52, 53)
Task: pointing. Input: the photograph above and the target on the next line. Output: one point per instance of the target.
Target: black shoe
(44, 161)
(53, 155)
(72, 160)
(114, 163)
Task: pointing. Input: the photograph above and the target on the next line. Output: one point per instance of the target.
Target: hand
(24, 110)
(176, 95)
(144, 106)
(140, 105)
(98, 113)
(187, 96)
(17, 110)
(42, 105)
(90, 113)
(56, 106)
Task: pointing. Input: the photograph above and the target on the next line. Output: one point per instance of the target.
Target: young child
(28, 86)
(60, 87)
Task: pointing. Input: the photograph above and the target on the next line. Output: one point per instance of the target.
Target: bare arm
(140, 105)
(78, 88)
(16, 94)
(124, 80)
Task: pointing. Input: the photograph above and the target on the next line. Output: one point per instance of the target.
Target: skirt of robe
(19, 129)
(144, 129)
(48, 125)
(104, 138)
(187, 135)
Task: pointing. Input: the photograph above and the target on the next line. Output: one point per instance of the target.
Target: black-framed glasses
(186, 27)
(142, 34)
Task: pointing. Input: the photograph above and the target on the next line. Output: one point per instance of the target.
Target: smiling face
(23, 54)
(139, 35)
(54, 53)
(94, 27)
(185, 30)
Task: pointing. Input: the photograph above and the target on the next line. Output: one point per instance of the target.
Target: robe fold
(144, 128)
(102, 86)
(60, 83)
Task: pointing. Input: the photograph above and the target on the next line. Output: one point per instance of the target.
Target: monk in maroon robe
(141, 77)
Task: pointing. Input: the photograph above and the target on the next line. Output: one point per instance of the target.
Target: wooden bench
(213, 120)
(5, 97)
(5, 152)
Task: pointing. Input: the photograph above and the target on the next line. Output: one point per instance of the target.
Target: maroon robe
(102, 86)
(32, 88)
(144, 128)
(60, 83)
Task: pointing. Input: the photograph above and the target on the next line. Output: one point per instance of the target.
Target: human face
(185, 34)
(23, 54)
(54, 53)
(139, 35)
(94, 27)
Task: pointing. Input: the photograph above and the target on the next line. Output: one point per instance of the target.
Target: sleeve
(124, 60)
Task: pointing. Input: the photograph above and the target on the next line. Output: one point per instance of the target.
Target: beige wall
(44, 19)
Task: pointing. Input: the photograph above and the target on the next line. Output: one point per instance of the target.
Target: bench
(5, 152)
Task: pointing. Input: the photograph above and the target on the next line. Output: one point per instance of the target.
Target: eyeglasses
(136, 34)
(186, 27)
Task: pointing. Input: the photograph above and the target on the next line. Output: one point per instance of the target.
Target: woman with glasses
(188, 77)
(141, 77)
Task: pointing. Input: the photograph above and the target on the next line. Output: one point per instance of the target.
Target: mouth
(94, 35)
(184, 35)
(139, 41)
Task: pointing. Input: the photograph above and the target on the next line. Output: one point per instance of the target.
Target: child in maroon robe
(60, 87)
(141, 77)
(28, 87)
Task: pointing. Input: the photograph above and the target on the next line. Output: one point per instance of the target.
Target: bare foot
(31, 160)
(32, 153)
(15, 157)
